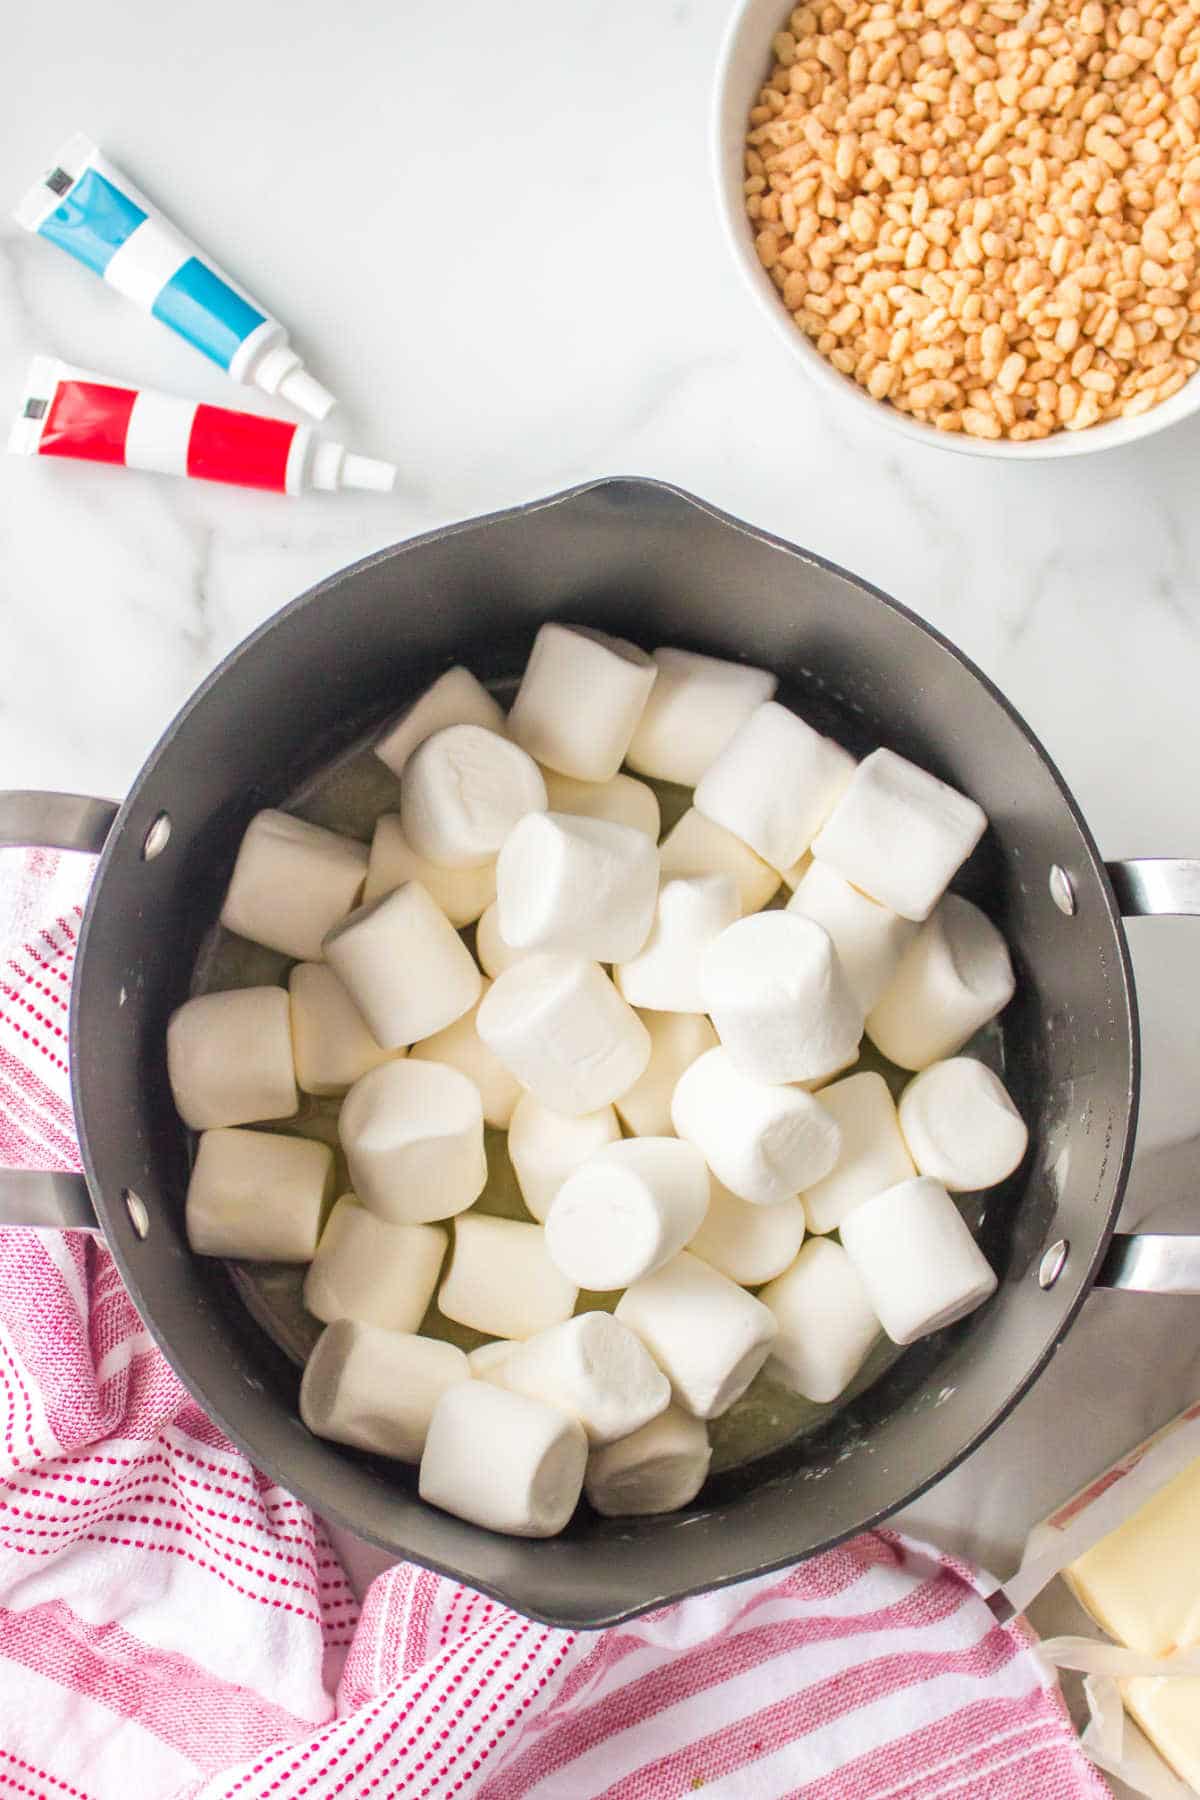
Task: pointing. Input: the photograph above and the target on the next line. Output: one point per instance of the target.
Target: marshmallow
(654, 1470)
(626, 1211)
(665, 974)
(503, 1461)
(461, 1047)
(486, 1360)
(582, 885)
(580, 699)
(899, 834)
(695, 846)
(764, 1143)
(955, 976)
(820, 1082)
(775, 783)
(455, 698)
(794, 875)
(695, 706)
(413, 1137)
(376, 1273)
(779, 1000)
(873, 1155)
(462, 792)
(258, 1195)
(406, 968)
(676, 1040)
(709, 1336)
(826, 1322)
(869, 938)
(462, 894)
(377, 1389)
(494, 954)
(623, 801)
(330, 1038)
(593, 1368)
(545, 1147)
(916, 1257)
(501, 1280)
(229, 1058)
(562, 1028)
(291, 884)
(750, 1244)
(961, 1126)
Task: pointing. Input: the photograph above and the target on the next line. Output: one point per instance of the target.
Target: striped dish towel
(174, 1624)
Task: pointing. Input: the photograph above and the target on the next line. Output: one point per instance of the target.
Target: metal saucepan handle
(1154, 1262)
(53, 1201)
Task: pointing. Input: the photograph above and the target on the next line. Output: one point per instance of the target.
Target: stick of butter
(1128, 1546)
(1141, 1583)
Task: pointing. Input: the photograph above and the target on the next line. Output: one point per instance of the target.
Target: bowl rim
(726, 162)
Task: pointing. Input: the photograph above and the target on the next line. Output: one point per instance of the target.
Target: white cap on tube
(368, 472)
(334, 467)
(301, 389)
(280, 371)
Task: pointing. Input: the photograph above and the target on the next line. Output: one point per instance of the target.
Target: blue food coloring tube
(94, 212)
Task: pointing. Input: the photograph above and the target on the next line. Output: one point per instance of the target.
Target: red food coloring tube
(93, 418)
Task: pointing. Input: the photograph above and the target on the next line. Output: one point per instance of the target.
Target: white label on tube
(146, 261)
(160, 426)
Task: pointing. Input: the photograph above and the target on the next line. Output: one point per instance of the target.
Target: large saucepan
(653, 564)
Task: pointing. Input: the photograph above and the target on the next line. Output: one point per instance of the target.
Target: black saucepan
(653, 564)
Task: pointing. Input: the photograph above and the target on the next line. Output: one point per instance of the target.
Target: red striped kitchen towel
(174, 1624)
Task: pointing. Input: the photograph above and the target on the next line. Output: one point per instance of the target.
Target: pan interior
(349, 796)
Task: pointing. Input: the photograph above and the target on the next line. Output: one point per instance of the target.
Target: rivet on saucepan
(157, 838)
(1053, 1263)
(1062, 890)
(135, 1206)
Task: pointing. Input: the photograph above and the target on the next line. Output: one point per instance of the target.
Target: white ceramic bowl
(744, 64)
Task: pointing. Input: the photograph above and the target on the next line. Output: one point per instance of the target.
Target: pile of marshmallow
(620, 982)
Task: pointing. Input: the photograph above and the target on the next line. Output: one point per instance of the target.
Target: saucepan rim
(112, 1215)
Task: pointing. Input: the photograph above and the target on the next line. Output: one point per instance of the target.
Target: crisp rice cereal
(987, 215)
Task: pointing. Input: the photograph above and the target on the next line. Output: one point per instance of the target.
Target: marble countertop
(492, 233)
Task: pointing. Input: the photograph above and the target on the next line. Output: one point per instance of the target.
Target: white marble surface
(492, 233)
